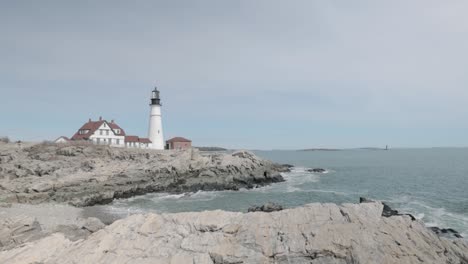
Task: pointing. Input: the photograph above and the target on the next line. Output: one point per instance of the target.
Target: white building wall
(155, 133)
(61, 140)
(138, 145)
(105, 136)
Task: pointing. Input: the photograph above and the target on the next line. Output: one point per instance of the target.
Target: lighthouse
(155, 133)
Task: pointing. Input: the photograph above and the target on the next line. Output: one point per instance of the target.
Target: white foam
(291, 189)
(464, 235)
(172, 196)
(300, 175)
(434, 216)
(419, 216)
(328, 191)
(126, 211)
(263, 189)
(206, 195)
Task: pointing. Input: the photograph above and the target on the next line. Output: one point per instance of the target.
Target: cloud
(313, 62)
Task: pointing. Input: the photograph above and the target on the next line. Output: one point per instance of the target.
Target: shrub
(5, 139)
(48, 143)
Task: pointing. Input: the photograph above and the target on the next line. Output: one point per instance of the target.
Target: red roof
(178, 139)
(92, 126)
(131, 139)
(137, 139)
(145, 140)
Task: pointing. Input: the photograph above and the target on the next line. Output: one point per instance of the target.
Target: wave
(330, 191)
(300, 175)
(122, 210)
(432, 216)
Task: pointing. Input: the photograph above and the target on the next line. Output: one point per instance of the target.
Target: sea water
(431, 184)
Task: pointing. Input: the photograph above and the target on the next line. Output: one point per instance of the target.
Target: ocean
(431, 184)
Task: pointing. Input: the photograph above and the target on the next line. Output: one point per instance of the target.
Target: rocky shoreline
(313, 233)
(86, 175)
(46, 188)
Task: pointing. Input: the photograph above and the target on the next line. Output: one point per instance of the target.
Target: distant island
(320, 149)
(211, 149)
(371, 148)
(333, 149)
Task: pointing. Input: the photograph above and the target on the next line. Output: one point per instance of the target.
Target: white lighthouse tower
(155, 133)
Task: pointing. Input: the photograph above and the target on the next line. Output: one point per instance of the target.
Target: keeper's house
(102, 132)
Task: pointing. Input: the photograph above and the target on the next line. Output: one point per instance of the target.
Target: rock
(244, 154)
(283, 167)
(317, 170)
(87, 165)
(315, 233)
(24, 223)
(445, 232)
(72, 232)
(18, 230)
(92, 224)
(365, 200)
(85, 175)
(268, 208)
(41, 187)
(5, 205)
(388, 211)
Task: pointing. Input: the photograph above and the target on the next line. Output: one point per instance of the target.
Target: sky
(262, 74)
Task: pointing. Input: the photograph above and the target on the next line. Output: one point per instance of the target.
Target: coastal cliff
(85, 175)
(314, 233)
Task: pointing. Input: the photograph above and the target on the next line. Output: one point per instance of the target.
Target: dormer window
(117, 131)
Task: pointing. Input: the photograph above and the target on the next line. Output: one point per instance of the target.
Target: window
(107, 132)
(117, 141)
(117, 131)
(98, 140)
(110, 141)
(100, 132)
(105, 125)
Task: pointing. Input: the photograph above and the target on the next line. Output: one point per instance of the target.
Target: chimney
(100, 118)
(112, 121)
(89, 120)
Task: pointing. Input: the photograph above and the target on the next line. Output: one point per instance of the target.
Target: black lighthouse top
(155, 100)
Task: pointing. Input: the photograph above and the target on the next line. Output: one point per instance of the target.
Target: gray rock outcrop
(315, 233)
(18, 230)
(268, 207)
(317, 170)
(84, 175)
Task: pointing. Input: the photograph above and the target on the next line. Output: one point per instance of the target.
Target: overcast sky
(241, 74)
